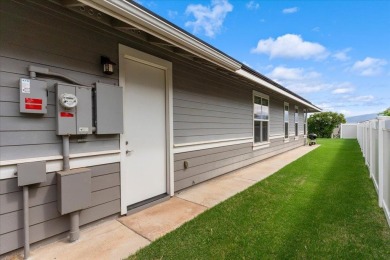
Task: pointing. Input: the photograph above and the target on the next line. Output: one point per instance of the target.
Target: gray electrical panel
(73, 190)
(31, 173)
(33, 96)
(109, 109)
(74, 109)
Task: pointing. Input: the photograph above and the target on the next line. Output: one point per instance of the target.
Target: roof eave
(133, 14)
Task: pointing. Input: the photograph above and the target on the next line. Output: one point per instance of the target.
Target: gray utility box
(109, 109)
(33, 96)
(31, 173)
(74, 109)
(73, 190)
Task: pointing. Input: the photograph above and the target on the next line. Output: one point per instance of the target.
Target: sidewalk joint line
(193, 202)
(135, 231)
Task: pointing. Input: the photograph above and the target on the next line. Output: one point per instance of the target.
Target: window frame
(261, 144)
(285, 104)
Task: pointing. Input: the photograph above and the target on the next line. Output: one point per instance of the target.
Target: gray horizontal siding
(45, 220)
(209, 163)
(208, 106)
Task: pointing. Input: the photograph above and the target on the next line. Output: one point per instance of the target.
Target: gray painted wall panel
(195, 161)
(193, 154)
(105, 181)
(210, 113)
(211, 164)
(224, 168)
(201, 138)
(181, 103)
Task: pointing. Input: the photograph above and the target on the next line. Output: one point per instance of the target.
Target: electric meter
(68, 100)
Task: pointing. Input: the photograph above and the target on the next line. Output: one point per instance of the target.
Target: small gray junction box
(73, 190)
(33, 96)
(31, 173)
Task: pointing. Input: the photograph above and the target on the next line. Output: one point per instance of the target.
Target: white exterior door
(145, 141)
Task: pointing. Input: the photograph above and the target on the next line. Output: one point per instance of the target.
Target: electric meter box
(33, 96)
(74, 109)
(73, 190)
(109, 109)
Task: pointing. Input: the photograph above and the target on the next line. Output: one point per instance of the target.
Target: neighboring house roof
(136, 15)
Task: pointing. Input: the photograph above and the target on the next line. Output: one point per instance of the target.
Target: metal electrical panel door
(109, 109)
(74, 109)
(33, 96)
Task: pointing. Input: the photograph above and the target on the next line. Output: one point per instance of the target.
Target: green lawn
(321, 206)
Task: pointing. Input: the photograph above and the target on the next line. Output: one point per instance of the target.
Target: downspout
(74, 233)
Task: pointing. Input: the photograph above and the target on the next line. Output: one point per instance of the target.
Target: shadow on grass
(336, 215)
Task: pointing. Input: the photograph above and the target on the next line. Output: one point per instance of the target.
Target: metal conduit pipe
(74, 233)
(65, 152)
(26, 223)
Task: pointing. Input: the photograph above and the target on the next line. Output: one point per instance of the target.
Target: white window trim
(284, 122)
(260, 145)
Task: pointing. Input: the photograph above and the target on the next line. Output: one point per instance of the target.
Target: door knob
(129, 151)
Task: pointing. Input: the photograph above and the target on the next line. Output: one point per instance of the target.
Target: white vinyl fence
(374, 140)
(348, 131)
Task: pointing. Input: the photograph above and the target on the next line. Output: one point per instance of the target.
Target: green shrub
(323, 123)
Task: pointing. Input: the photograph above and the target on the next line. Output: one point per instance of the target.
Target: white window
(296, 120)
(305, 122)
(260, 118)
(286, 118)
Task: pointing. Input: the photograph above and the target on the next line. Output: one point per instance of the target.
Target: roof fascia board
(266, 84)
(145, 21)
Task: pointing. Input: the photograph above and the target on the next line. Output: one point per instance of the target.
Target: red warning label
(33, 103)
(33, 100)
(66, 114)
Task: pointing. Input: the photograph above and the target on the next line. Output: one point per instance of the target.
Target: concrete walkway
(117, 239)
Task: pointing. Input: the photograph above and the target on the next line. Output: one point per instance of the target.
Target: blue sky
(334, 53)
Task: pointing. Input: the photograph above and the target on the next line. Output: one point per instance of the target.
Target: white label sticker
(25, 85)
(83, 129)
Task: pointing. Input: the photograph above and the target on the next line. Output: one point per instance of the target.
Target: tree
(386, 112)
(323, 123)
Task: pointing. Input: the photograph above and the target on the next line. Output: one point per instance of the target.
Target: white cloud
(316, 29)
(342, 55)
(284, 73)
(290, 46)
(367, 98)
(172, 14)
(369, 66)
(208, 19)
(252, 5)
(343, 88)
(290, 10)
(306, 87)
(298, 80)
